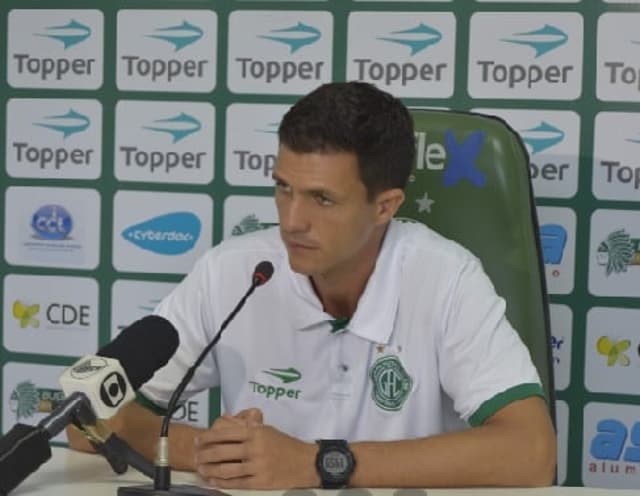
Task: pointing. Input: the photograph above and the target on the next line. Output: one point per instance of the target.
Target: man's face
(325, 218)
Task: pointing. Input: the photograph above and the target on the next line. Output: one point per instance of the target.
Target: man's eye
(324, 200)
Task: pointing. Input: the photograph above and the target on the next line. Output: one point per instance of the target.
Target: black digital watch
(335, 463)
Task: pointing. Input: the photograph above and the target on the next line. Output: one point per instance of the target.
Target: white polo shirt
(427, 347)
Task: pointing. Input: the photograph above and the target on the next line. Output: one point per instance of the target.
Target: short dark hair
(359, 118)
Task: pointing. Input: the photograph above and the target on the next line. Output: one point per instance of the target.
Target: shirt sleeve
(188, 308)
(484, 363)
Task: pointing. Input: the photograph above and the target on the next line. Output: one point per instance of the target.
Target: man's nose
(294, 216)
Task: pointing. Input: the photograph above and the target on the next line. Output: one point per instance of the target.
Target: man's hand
(241, 452)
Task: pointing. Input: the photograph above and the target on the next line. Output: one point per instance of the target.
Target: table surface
(71, 473)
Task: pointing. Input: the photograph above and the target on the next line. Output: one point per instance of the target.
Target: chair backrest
(471, 184)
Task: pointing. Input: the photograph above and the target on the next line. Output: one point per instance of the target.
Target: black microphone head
(262, 273)
(143, 347)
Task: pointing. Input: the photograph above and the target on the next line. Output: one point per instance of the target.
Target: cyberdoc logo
(456, 157)
(54, 138)
(170, 234)
(282, 53)
(401, 53)
(618, 76)
(52, 223)
(167, 50)
(164, 142)
(531, 55)
(55, 48)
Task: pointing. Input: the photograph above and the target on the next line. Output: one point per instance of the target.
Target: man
(375, 337)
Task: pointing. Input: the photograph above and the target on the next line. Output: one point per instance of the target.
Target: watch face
(335, 463)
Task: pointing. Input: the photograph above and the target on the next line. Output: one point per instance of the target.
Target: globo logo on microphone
(113, 389)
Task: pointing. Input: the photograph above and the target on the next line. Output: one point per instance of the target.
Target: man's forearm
(495, 454)
(140, 427)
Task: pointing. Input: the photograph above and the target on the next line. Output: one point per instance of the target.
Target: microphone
(95, 387)
(162, 479)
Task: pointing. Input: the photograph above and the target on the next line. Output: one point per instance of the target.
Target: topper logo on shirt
(286, 376)
(391, 383)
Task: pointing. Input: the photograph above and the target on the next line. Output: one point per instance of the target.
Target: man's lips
(297, 245)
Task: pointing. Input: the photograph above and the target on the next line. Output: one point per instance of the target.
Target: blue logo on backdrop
(553, 239)
(542, 40)
(70, 34)
(634, 140)
(541, 137)
(70, 123)
(170, 234)
(295, 37)
(417, 39)
(270, 128)
(461, 159)
(52, 222)
(611, 439)
(179, 127)
(179, 36)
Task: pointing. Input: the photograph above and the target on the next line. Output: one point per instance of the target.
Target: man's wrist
(311, 477)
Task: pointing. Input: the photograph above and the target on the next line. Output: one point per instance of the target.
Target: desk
(70, 473)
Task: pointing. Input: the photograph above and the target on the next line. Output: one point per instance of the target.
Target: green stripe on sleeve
(149, 405)
(500, 400)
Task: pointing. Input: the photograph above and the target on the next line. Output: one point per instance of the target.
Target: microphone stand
(162, 479)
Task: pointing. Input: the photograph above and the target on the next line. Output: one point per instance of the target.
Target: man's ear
(387, 204)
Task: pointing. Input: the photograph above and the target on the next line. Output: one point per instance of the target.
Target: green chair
(471, 184)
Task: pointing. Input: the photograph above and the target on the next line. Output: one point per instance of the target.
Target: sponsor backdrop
(138, 134)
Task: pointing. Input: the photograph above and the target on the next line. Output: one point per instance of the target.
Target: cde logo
(405, 54)
(166, 50)
(457, 158)
(113, 389)
(170, 234)
(55, 48)
(285, 53)
(531, 55)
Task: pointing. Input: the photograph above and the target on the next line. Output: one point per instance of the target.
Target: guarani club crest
(618, 251)
(391, 383)
(26, 399)
(249, 224)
